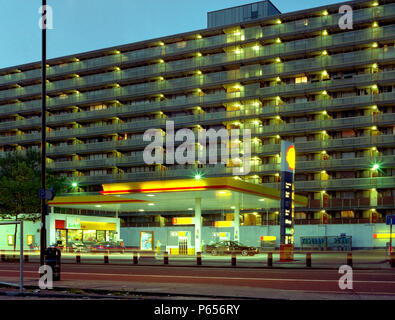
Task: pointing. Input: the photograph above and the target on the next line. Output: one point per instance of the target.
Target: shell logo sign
(290, 157)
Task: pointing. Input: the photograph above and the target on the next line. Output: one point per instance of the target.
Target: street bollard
(270, 259)
(3, 257)
(106, 259)
(349, 259)
(392, 259)
(308, 259)
(199, 259)
(26, 258)
(233, 259)
(135, 261)
(78, 258)
(166, 258)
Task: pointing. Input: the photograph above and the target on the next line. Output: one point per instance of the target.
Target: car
(229, 247)
(77, 246)
(108, 246)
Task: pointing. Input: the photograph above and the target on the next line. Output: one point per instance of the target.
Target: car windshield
(235, 243)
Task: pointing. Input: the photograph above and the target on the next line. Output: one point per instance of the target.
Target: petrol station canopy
(176, 195)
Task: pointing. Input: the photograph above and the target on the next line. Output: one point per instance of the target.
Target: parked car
(227, 247)
(108, 246)
(77, 246)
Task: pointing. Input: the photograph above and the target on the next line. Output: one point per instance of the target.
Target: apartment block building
(295, 76)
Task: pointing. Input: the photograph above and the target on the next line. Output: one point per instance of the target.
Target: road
(225, 282)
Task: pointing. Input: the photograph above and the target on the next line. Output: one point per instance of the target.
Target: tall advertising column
(198, 224)
(288, 157)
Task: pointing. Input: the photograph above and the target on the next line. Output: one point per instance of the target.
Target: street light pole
(43, 235)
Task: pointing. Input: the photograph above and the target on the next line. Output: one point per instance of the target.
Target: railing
(249, 33)
(307, 221)
(140, 224)
(348, 221)
(312, 44)
(339, 184)
(269, 71)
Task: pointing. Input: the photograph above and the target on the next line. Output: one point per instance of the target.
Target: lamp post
(43, 234)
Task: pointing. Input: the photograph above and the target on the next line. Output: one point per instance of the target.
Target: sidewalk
(172, 291)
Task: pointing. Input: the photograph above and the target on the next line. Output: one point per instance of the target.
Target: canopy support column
(236, 223)
(198, 224)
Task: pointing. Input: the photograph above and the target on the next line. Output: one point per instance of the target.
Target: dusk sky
(85, 25)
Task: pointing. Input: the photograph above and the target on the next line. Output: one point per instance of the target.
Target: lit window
(301, 79)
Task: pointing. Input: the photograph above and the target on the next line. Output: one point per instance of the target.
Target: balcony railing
(270, 71)
(270, 51)
(267, 32)
(339, 184)
(140, 224)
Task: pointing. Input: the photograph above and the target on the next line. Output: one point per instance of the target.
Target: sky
(85, 25)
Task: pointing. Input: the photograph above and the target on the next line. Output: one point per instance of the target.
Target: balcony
(344, 164)
(266, 52)
(340, 184)
(267, 32)
(274, 70)
(333, 221)
(320, 125)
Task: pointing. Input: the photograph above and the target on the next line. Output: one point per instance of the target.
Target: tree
(20, 181)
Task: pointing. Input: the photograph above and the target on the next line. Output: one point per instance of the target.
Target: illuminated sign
(73, 223)
(268, 238)
(10, 240)
(91, 225)
(29, 239)
(383, 235)
(146, 240)
(220, 224)
(183, 220)
(288, 156)
(222, 235)
(287, 193)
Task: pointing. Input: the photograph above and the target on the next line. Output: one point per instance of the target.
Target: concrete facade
(362, 234)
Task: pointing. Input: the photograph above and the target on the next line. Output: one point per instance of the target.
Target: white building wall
(29, 228)
(362, 234)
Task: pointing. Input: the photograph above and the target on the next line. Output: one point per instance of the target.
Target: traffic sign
(46, 194)
(390, 220)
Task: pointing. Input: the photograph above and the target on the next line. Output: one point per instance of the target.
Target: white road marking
(205, 277)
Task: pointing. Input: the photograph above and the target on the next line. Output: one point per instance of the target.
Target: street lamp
(43, 235)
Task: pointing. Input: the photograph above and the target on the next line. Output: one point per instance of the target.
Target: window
(301, 80)
(347, 214)
(347, 195)
(348, 155)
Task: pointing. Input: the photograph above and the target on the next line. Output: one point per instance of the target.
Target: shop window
(74, 235)
(89, 235)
